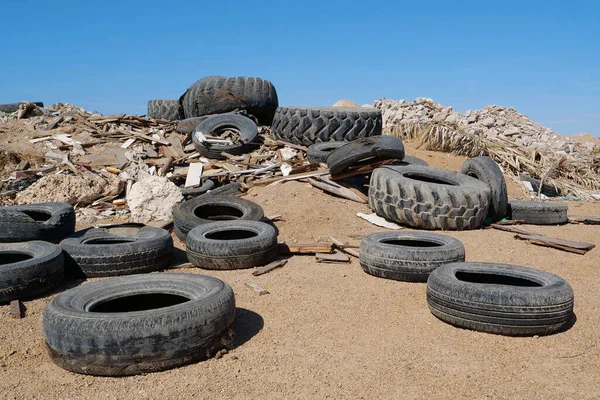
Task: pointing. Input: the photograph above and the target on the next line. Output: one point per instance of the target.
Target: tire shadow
(247, 325)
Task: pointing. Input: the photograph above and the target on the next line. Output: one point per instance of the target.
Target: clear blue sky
(541, 57)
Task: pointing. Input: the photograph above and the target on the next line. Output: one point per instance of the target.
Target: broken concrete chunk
(153, 199)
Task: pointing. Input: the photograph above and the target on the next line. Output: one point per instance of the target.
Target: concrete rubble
(153, 199)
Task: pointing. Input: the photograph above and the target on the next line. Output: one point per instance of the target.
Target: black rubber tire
(411, 160)
(547, 189)
(537, 212)
(465, 295)
(485, 169)
(217, 94)
(54, 222)
(28, 269)
(142, 338)
(372, 149)
(461, 202)
(12, 107)
(318, 152)
(113, 251)
(247, 129)
(306, 126)
(408, 256)
(186, 218)
(227, 245)
(207, 185)
(169, 110)
(230, 189)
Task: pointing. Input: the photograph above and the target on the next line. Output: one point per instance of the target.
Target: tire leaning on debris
(139, 323)
(318, 152)
(208, 208)
(428, 198)
(42, 221)
(217, 94)
(500, 298)
(125, 250)
(408, 256)
(245, 127)
(28, 269)
(227, 245)
(371, 149)
(486, 170)
(306, 126)
(169, 110)
(537, 212)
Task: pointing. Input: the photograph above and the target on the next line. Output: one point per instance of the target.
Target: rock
(500, 122)
(453, 118)
(367, 106)
(153, 198)
(512, 131)
(488, 122)
(345, 103)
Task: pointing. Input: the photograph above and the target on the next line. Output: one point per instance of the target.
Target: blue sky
(541, 57)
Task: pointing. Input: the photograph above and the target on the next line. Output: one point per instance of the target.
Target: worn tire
(371, 149)
(318, 152)
(231, 245)
(499, 298)
(169, 110)
(42, 221)
(209, 208)
(89, 331)
(28, 269)
(207, 185)
(486, 170)
(537, 212)
(408, 256)
(217, 94)
(247, 129)
(411, 160)
(306, 126)
(99, 252)
(435, 199)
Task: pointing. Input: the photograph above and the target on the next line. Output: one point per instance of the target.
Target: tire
(547, 189)
(307, 126)
(411, 160)
(100, 252)
(408, 256)
(372, 149)
(245, 127)
(228, 245)
(197, 191)
(487, 171)
(318, 152)
(28, 269)
(428, 198)
(537, 212)
(217, 94)
(169, 110)
(208, 208)
(499, 298)
(138, 324)
(43, 221)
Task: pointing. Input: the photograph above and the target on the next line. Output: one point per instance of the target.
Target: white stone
(153, 199)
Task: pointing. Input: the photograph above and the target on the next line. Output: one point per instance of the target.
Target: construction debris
(153, 199)
(548, 241)
(379, 221)
(17, 309)
(257, 288)
(269, 267)
(332, 258)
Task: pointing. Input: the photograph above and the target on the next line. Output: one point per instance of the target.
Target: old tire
(209, 208)
(408, 256)
(231, 245)
(428, 198)
(411, 160)
(116, 251)
(487, 171)
(28, 269)
(206, 185)
(499, 298)
(42, 221)
(369, 150)
(217, 94)
(537, 212)
(245, 127)
(306, 126)
(169, 110)
(139, 323)
(318, 152)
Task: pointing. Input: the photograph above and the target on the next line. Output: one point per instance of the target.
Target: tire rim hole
(495, 279)
(236, 234)
(138, 302)
(218, 213)
(107, 241)
(39, 216)
(423, 178)
(411, 243)
(10, 258)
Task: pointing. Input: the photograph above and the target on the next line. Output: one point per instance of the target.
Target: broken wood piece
(113, 170)
(514, 229)
(378, 221)
(119, 202)
(23, 165)
(269, 267)
(510, 222)
(336, 189)
(17, 309)
(41, 139)
(310, 248)
(128, 143)
(586, 220)
(194, 175)
(54, 123)
(145, 137)
(352, 252)
(283, 179)
(292, 145)
(332, 258)
(562, 244)
(165, 167)
(257, 288)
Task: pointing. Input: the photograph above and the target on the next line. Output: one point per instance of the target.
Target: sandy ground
(332, 331)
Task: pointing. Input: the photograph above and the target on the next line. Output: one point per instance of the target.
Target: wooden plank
(378, 221)
(338, 190)
(308, 248)
(335, 258)
(194, 175)
(176, 145)
(561, 242)
(17, 309)
(510, 222)
(557, 246)
(514, 229)
(269, 267)
(292, 145)
(586, 220)
(128, 143)
(163, 170)
(256, 288)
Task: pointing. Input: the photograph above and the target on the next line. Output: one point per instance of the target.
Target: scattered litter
(257, 288)
(379, 221)
(269, 267)
(332, 258)
(194, 175)
(17, 309)
(309, 248)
